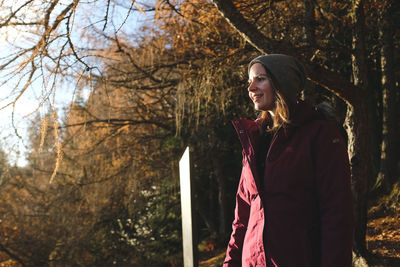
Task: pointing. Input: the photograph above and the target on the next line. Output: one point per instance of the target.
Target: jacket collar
(249, 135)
(249, 131)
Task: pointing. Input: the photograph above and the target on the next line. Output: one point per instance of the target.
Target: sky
(29, 104)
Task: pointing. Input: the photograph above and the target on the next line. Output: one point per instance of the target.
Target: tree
(388, 157)
(45, 42)
(357, 123)
(25, 216)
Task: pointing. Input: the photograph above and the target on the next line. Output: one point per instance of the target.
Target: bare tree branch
(325, 78)
(118, 122)
(13, 14)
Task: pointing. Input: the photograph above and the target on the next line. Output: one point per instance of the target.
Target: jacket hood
(286, 71)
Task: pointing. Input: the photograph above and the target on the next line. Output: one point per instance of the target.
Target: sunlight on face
(260, 89)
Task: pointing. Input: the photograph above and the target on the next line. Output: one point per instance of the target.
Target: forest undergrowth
(383, 230)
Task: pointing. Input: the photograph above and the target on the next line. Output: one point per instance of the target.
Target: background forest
(101, 183)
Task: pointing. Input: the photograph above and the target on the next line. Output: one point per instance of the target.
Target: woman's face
(260, 88)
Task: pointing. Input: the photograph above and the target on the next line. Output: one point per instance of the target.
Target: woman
(294, 202)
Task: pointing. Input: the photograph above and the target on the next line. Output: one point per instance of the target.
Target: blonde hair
(281, 110)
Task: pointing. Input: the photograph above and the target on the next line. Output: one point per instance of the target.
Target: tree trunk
(309, 22)
(356, 125)
(221, 195)
(220, 179)
(357, 128)
(387, 175)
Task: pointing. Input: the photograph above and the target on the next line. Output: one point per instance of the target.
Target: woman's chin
(259, 108)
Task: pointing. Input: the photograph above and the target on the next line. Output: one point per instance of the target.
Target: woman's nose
(251, 87)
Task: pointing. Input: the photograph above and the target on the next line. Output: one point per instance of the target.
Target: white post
(189, 246)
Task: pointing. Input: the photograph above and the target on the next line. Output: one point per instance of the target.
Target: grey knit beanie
(287, 72)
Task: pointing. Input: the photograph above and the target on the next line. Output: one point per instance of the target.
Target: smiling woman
(294, 202)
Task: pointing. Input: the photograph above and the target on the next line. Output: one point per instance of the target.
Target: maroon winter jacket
(302, 215)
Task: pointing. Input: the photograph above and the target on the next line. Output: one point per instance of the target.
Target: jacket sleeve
(335, 198)
(239, 226)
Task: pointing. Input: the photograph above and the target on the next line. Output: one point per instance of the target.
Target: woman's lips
(257, 97)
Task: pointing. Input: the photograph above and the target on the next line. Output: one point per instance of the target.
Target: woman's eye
(257, 79)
